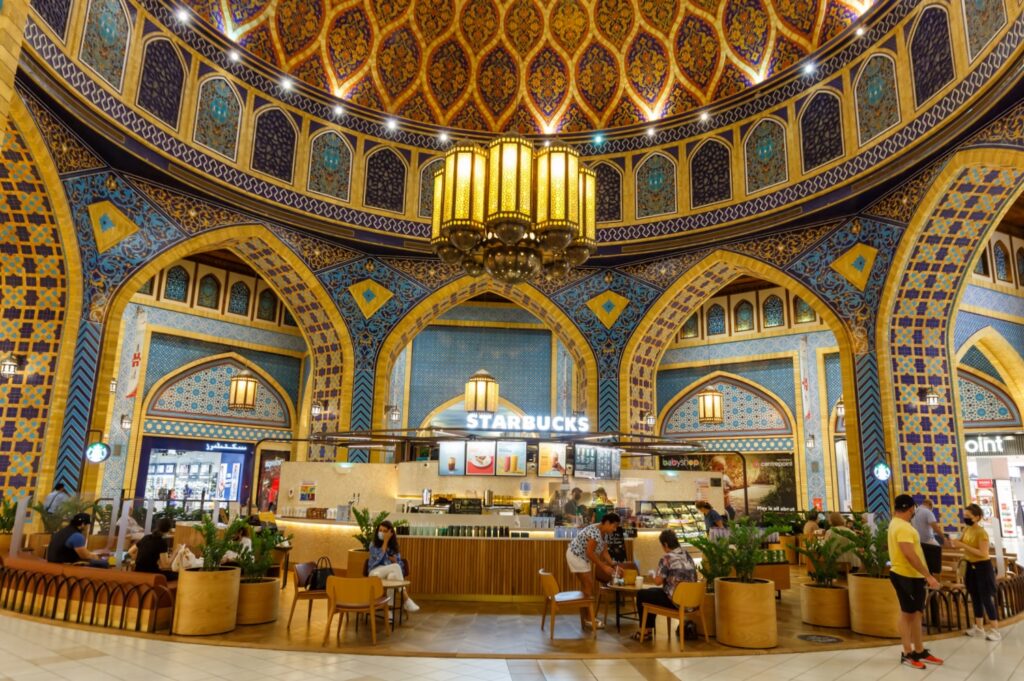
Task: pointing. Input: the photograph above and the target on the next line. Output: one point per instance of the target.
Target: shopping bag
(318, 580)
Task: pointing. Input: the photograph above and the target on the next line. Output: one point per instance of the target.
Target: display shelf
(681, 516)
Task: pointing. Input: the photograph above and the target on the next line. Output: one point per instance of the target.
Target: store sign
(882, 471)
(1004, 499)
(225, 447)
(527, 422)
(993, 445)
(97, 452)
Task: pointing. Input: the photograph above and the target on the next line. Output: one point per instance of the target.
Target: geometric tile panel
(33, 306)
(747, 411)
(212, 431)
(983, 405)
(929, 457)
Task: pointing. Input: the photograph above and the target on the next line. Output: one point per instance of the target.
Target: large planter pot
(258, 602)
(37, 543)
(708, 607)
(787, 543)
(745, 613)
(825, 606)
(5, 544)
(357, 560)
(874, 609)
(207, 602)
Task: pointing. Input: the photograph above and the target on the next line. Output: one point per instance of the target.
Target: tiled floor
(36, 651)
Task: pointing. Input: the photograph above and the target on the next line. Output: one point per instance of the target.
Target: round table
(619, 590)
(398, 586)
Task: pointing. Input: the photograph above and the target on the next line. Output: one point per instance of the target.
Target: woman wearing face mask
(980, 578)
(385, 560)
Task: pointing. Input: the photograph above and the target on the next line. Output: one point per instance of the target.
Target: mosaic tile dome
(536, 66)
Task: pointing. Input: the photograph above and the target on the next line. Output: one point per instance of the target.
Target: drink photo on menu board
(551, 460)
(451, 459)
(480, 457)
(511, 458)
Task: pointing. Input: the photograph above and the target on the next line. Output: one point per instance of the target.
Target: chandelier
(513, 212)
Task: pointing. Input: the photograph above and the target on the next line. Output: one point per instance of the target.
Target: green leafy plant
(747, 540)
(824, 555)
(216, 545)
(255, 562)
(871, 546)
(368, 525)
(791, 523)
(54, 520)
(717, 561)
(8, 515)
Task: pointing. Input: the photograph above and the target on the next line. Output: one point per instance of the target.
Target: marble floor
(31, 650)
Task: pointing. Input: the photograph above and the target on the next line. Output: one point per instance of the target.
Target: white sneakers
(990, 635)
(410, 605)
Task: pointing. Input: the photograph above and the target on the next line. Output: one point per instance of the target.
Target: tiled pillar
(12, 29)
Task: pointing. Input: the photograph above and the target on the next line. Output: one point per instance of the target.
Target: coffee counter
(462, 568)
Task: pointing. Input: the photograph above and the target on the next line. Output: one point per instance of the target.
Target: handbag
(318, 579)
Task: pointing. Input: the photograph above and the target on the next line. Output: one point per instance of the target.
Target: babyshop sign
(527, 422)
(994, 445)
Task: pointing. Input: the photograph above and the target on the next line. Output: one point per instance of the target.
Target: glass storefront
(189, 470)
(994, 465)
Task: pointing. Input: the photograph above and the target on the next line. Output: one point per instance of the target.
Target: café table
(397, 587)
(619, 589)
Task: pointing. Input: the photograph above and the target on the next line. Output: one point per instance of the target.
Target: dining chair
(303, 571)
(359, 595)
(687, 597)
(555, 599)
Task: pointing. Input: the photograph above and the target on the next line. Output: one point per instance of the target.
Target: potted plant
(745, 606)
(716, 562)
(874, 609)
(8, 516)
(207, 600)
(258, 600)
(822, 603)
(791, 525)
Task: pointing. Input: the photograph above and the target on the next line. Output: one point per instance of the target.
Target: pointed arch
(765, 155)
(876, 96)
(106, 38)
(931, 52)
(1003, 357)
(1002, 268)
(991, 395)
(386, 173)
(609, 191)
(425, 206)
(461, 290)
(330, 165)
(717, 377)
(161, 84)
(654, 184)
(710, 167)
(218, 116)
(274, 142)
(821, 129)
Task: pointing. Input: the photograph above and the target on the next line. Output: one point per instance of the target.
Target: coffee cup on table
(639, 582)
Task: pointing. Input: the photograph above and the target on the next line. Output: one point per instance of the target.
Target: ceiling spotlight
(443, 136)
(547, 143)
(339, 110)
(286, 83)
(234, 56)
(859, 31)
(809, 68)
(598, 139)
(182, 15)
(705, 117)
(391, 124)
(651, 131)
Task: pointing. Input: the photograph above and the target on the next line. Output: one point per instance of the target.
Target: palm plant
(216, 545)
(824, 555)
(870, 545)
(717, 561)
(368, 526)
(8, 515)
(255, 562)
(54, 519)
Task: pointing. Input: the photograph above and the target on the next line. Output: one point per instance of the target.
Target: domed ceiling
(536, 66)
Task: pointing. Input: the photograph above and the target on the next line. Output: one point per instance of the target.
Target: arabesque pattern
(619, 62)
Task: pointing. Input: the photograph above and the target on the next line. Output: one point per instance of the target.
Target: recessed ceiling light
(286, 83)
(547, 143)
(705, 116)
(809, 68)
(651, 131)
(182, 15)
(391, 124)
(598, 139)
(339, 110)
(234, 56)
(443, 136)
(859, 31)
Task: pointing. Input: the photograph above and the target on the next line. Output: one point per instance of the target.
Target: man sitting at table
(69, 545)
(587, 554)
(674, 567)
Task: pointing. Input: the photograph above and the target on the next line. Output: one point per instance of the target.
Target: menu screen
(511, 457)
(451, 459)
(585, 465)
(551, 460)
(480, 457)
(607, 463)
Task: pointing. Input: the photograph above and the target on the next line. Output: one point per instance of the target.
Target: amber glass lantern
(509, 188)
(481, 394)
(242, 393)
(463, 194)
(710, 410)
(558, 196)
(585, 241)
(444, 249)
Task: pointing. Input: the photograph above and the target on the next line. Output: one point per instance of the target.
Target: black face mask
(968, 521)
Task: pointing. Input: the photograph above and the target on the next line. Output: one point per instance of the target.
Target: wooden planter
(357, 560)
(825, 606)
(745, 613)
(207, 602)
(37, 543)
(5, 545)
(709, 615)
(874, 609)
(258, 602)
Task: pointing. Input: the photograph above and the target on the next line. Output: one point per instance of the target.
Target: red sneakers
(926, 657)
(911, 661)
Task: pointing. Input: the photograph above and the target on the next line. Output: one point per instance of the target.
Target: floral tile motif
(984, 19)
(105, 42)
(931, 53)
(330, 165)
(764, 153)
(878, 105)
(448, 73)
(655, 186)
(385, 181)
(218, 108)
(163, 77)
(710, 174)
(298, 23)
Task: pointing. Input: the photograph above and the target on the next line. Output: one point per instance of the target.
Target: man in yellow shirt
(909, 575)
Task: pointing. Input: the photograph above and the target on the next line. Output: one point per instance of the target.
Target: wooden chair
(303, 571)
(555, 599)
(687, 596)
(355, 595)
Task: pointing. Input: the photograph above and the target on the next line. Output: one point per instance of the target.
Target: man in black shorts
(909, 575)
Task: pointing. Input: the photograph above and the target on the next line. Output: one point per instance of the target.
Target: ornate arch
(941, 246)
(461, 290)
(652, 336)
(717, 377)
(1003, 357)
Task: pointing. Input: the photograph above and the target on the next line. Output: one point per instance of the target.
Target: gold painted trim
(227, 318)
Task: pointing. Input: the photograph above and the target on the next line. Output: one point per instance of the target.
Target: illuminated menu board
(451, 459)
(585, 462)
(551, 459)
(480, 457)
(511, 457)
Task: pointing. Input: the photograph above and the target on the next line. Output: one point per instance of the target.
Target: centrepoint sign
(993, 445)
(528, 422)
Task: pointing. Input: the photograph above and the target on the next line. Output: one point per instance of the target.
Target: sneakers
(975, 632)
(911, 661)
(993, 635)
(927, 657)
(410, 605)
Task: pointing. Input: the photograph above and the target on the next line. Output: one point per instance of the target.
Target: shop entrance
(185, 472)
(994, 466)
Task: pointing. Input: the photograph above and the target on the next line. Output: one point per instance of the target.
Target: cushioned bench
(110, 598)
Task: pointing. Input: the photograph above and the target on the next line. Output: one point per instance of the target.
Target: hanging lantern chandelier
(512, 212)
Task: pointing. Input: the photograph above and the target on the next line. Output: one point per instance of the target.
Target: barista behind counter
(575, 507)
